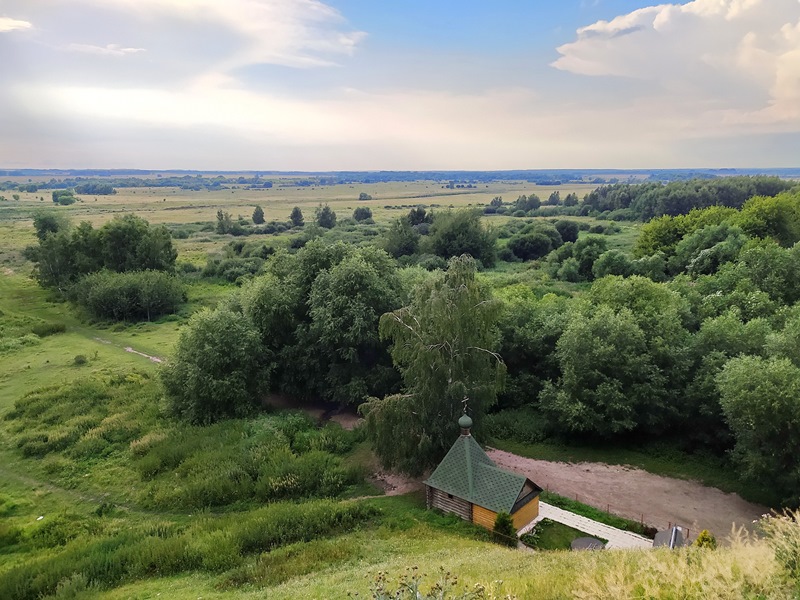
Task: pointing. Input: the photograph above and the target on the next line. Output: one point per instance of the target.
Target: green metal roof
(467, 472)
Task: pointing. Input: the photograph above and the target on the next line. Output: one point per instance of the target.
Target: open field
(173, 205)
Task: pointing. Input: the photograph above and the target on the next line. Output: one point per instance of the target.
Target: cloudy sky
(399, 84)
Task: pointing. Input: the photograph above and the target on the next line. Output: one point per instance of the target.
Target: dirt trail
(632, 492)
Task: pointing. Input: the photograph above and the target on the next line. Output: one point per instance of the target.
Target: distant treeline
(646, 201)
(196, 180)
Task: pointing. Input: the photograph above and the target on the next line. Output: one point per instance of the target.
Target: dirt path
(633, 492)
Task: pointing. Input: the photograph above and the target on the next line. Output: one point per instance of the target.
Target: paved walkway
(617, 538)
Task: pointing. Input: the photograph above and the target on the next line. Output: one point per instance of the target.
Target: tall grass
(210, 544)
(172, 465)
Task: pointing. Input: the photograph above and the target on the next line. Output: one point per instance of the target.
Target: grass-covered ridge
(110, 433)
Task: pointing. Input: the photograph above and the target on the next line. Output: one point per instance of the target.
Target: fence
(641, 518)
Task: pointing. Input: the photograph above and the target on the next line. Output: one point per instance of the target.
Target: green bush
(504, 531)
(46, 329)
(131, 295)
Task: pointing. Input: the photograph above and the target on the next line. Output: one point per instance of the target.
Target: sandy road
(632, 492)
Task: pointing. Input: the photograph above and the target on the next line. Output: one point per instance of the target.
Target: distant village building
(470, 485)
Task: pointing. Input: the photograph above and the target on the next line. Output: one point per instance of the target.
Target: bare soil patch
(637, 494)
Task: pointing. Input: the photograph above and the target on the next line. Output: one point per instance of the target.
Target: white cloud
(296, 33)
(108, 50)
(719, 54)
(9, 24)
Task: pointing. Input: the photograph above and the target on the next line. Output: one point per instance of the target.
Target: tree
(130, 243)
(612, 262)
(761, 401)
(609, 382)
(224, 222)
(296, 217)
(401, 239)
(418, 215)
(325, 216)
(219, 368)
(773, 217)
(444, 346)
(554, 199)
(47, 222)
(364, 196)
(258, 215)
(497, 201)
(530, 246)
(346, 303)
(568, 230)
(571, 200)
(362, 213)
(460, 232)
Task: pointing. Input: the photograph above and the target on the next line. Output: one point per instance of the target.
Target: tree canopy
(445, 345)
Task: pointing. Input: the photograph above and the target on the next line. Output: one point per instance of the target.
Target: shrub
(46, 329)
(79, 360)
(129, 296)
(705, 540)
(504, 531)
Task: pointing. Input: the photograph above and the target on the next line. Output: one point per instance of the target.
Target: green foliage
(680, 197)
(703, 251)
(297, 217)
(48, 329)
(705, 539)
(401, 239)
(131, 295)
(258, 215)
(608, 377)
(126, 243)
(209, 544)
(444, 344)
(775, 217)
(64, 197)
(530, 246)
(49, 222)
(418, 216)
(325, 217)
(219, 368)
(568, 230)
(362, 213)
(95, 189)
(612, 262)
(504, 531)
(346, 303)
(364, 196)
(460, 232)
(761, 401)
(574, 262)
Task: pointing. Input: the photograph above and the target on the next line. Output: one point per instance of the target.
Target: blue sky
(366, 84)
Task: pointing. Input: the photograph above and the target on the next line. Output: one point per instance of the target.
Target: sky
(318, 85)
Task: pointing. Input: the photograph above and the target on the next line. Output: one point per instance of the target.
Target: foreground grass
(708, 470)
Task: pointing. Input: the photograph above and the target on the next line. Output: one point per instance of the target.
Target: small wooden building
(470, 485)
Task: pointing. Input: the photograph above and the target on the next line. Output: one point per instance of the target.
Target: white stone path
(617, 538)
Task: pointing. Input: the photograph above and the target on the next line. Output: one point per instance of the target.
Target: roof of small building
(468, 473)
(671, 538)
